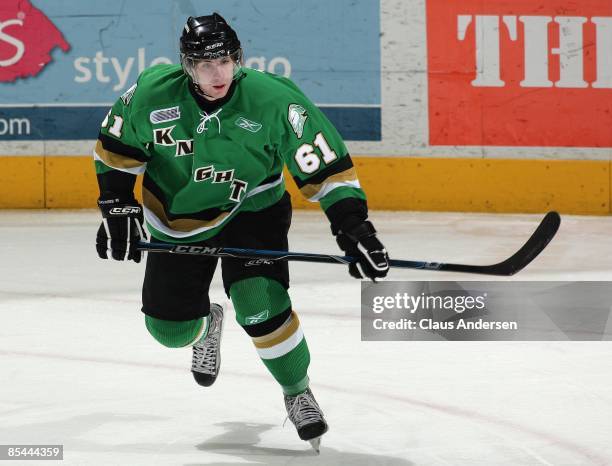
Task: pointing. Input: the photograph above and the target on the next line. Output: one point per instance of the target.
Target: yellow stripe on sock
(280, 334)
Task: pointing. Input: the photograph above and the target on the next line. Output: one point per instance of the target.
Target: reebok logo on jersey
(257, 318)
(249, 125)
(297, 117)
(163, 136)
(165, 114)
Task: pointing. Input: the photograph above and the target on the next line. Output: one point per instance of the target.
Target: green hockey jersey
(202, 168)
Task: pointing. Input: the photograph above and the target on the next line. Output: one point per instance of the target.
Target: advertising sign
(520, 73)
(62, 64)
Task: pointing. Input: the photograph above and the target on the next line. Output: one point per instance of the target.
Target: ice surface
(78, 367)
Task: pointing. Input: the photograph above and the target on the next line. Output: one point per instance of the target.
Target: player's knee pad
(258, 300)
(174, 334)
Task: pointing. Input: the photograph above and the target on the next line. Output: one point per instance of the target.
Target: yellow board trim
(22, 182)
(391, 183)
(482, 185)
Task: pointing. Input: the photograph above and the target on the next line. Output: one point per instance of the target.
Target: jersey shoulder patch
(297, 116)
(165, 114)
(126, 97)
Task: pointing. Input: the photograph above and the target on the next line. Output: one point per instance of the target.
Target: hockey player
(211, 139)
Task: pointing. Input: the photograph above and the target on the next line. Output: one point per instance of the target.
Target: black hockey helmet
(208, 37)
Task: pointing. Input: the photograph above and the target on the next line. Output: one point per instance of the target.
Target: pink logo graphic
(27, 38)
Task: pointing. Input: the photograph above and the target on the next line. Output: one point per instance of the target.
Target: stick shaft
(536, 244)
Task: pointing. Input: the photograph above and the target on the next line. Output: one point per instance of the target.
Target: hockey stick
(535, 245)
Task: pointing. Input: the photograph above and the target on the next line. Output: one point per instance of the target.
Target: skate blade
(315, 443)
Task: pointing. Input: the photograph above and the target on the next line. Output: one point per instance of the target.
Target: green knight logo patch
(297, 117)
(249, 125)
(126, 97)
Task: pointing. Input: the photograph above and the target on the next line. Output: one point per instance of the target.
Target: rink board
(392, 183)
(428, 129)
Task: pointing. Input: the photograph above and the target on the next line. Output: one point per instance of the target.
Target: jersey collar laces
(205, 118)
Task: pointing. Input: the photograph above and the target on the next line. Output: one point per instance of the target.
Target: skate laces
(205, 352)
(205, 356)
(302, 409)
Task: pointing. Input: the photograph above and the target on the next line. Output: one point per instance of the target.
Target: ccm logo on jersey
(124, 210)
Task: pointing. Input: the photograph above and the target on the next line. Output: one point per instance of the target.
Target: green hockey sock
(263, 309)
(174, 334)
(258, 299)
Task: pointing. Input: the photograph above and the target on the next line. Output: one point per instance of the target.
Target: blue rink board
(77, 123)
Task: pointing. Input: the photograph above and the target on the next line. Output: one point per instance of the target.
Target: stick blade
(546, 231)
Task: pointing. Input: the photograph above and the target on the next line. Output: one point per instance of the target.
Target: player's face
(215, 76)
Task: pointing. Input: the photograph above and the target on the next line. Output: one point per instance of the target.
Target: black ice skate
(206, 360)
(307, 417)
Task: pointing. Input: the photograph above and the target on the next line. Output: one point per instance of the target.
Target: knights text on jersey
(201, 168)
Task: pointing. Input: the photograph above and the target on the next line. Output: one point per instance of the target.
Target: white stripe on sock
(283, 347)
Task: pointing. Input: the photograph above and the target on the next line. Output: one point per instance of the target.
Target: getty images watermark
(486, 311)
(450, 302)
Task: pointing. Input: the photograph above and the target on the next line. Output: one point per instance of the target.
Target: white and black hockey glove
(121, 228)
(361, 242)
